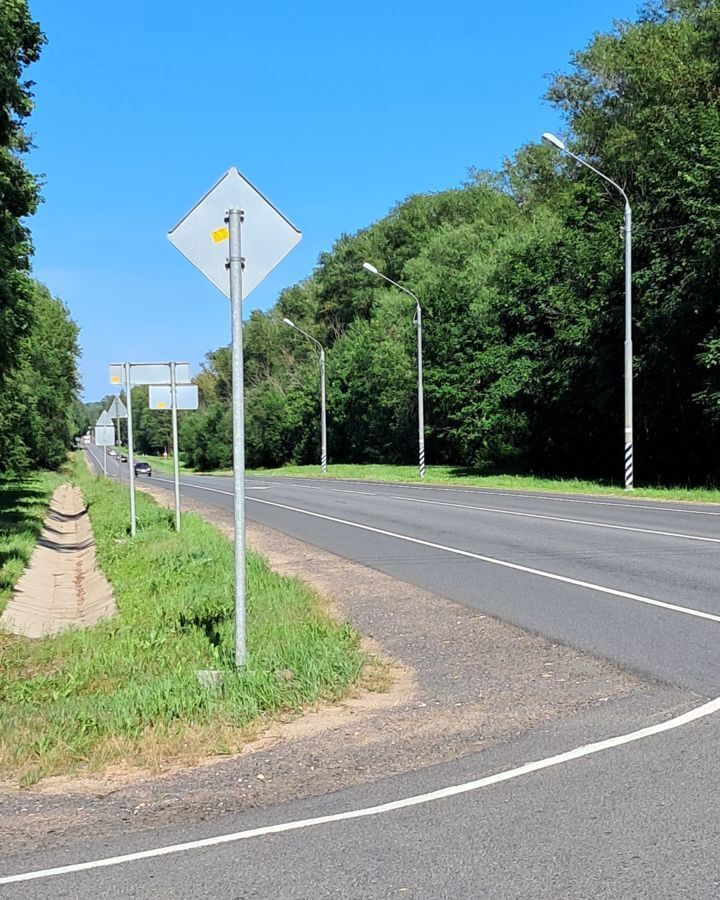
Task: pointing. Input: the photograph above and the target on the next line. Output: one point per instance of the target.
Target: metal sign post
(117, 411)
(203, 236)
(150, 374)
(175, 397)
(235, 218)
(104, 433)
(131, 457)
(176, 462)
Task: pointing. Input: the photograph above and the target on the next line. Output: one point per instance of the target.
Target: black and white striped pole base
(323, 463)
(422, 462)
(628, 467)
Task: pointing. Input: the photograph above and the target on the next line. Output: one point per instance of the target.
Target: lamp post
(560, 145)
(323, 415)
(421, 402)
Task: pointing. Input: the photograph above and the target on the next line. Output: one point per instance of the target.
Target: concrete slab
(62, 586)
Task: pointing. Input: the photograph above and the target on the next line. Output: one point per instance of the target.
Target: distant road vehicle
(143, 468)
(123, 458)
(112, 452)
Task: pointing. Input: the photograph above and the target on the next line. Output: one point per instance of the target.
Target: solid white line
(514, 492)
(507, 493)
(633, 505)
(688, 611)
(343, 491)
(526, 515)
(613, 592)
(196, 486)
(693, 715)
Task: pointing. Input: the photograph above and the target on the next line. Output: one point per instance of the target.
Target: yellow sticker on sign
(115, 380)
(220, 235)
(160, 405)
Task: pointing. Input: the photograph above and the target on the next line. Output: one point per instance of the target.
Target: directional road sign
(150, 373)
(104, 419)
(161, 396)
(202, 235)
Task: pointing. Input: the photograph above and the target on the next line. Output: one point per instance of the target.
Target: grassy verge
(126, 691)
(23, 506)
(455, 476)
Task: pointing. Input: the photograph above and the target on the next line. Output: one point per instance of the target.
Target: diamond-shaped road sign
(117, 409)
(202, 235)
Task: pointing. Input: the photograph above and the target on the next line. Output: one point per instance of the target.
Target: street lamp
(323, 422)
(555, 141)
(421, 404)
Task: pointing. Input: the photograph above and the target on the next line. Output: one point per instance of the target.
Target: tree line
(39, 384)
(520, 277)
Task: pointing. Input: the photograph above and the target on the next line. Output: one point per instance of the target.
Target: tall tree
(20, 44)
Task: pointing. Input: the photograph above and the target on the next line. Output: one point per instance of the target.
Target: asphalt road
(635, 816)
(660, 553)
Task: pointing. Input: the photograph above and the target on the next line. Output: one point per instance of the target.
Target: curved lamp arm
(371, 268)
(554, 141)
(291, 324)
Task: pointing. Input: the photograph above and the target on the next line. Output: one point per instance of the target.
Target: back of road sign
(117, 409)
(150, 373)
(104, 435)
(202, 235)
(160, 396)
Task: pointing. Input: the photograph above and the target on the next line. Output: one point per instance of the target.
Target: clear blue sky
(336, 111)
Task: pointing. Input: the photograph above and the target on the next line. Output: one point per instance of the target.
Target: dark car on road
(143, 468)
(123, 458)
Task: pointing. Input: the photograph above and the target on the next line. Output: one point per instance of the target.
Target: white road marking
(343, 491)
(541, 573)
(197, 487)
(513, 492)
(700, 712)
(625, 595)
(525, 515)
(97, 460)
(634, 505)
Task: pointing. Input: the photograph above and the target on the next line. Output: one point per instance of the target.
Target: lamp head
(289, 322)
(370, 268)
(554, 141)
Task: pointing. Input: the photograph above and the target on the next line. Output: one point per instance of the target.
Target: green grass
(126, 691)
(23, 506)
(454, 475)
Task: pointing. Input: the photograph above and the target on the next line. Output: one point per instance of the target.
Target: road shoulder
(464, 683)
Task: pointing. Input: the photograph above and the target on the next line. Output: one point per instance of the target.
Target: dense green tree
(20, 43)
(38, 339)
(520, 276)
(36, 424)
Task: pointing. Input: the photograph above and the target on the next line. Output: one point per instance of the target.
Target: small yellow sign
(220, 235)
(115, 380)
(160, 405)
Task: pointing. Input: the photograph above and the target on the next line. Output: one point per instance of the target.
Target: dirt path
(61, 586)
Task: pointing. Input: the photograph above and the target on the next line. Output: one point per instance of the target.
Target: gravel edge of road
(442, 706)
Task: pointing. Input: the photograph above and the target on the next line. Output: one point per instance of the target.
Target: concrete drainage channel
(62, 585)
